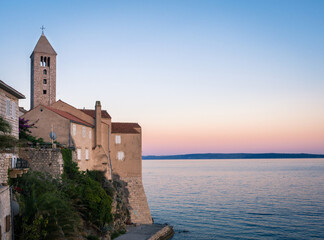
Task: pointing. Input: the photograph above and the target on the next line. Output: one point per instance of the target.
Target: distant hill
(235, 156)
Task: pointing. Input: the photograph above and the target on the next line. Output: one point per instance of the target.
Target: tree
(6, 140)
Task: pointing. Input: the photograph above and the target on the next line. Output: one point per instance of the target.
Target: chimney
(98, 123)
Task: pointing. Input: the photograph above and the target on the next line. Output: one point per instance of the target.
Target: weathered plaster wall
(131, 145)
(45, 118)
(43, 160)
(5, 211)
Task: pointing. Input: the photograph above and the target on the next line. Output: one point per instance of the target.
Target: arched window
(45, 72)
(48, 61)
(41, 60)
(44, 61)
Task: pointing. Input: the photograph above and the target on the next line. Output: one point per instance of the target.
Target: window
(7, 223)
(79, 153)
(118, 139)
(45, 81)
(87, 154)
(90, 134)
(8, 107)
(45, 72)
(120, 156)
(13, 109)
(44, 91)
(83, 132)
(73, 129)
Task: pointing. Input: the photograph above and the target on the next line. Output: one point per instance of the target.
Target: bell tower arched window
(45, 72)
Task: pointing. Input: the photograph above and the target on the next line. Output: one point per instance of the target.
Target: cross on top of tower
(42, 29)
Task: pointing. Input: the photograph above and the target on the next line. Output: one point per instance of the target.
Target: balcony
(18, 167)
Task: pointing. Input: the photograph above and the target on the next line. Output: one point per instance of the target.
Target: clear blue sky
(199, 76)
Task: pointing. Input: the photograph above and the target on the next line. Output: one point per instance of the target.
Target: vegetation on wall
(63, 208)
(6, 140)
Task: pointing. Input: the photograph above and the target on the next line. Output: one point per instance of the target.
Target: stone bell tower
(43, 74)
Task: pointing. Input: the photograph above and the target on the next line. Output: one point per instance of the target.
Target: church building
(98, 143)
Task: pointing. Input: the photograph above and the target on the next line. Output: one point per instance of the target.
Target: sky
(198, 76)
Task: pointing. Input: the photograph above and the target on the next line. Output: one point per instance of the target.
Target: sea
(237, 199)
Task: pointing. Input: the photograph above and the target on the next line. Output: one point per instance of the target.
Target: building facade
(99, 143)
(9, 111)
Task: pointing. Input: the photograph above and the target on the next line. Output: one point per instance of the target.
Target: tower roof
(43, 46)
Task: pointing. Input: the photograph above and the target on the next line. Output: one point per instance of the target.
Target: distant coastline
(232, 156)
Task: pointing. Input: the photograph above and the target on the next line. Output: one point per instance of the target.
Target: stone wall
(4, 165)
(43, 160)
(138, 206)
(5, 213)
(13, 117)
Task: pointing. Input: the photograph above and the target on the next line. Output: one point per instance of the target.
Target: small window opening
(45, 81)
(44, 91)
(45, 61)
(41, 60)
(45, 72)
(48, 61)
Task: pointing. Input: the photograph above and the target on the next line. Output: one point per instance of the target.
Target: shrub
(44, 208)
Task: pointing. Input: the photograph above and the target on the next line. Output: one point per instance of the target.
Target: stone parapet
(43, 160)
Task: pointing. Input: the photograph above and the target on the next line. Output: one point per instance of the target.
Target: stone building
(99, 143)
(9, 111)
(9, 107)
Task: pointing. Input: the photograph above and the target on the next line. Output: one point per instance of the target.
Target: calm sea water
(237, 199)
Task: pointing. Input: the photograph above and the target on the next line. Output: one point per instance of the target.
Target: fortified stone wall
(43, 160)
(4, 165)
(138, 206)
(5, 213)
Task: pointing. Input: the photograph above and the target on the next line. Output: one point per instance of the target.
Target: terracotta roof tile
(117, 127)
(68, 116)
(91, 112)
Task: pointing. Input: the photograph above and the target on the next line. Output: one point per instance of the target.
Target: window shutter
(73, 129)
(13, 109)
(118, 139)
(87, 154)
(8, 107)
(7, 223)
(79, 153)
(83, 132)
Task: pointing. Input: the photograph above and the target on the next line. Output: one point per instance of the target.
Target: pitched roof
(11, 90)
(117, 127)
(68, 116)
(43, 46)
(92, 112)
